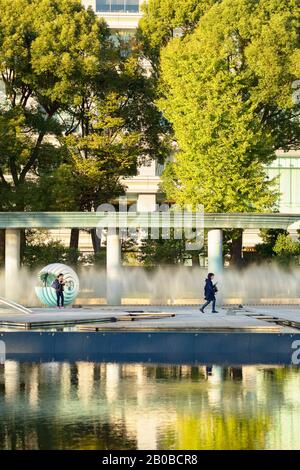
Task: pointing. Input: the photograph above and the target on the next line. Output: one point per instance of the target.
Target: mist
(263, 284)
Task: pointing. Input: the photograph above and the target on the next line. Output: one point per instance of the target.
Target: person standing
(210, 290)
(59, 285)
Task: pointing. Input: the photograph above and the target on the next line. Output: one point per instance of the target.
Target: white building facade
(121, 15)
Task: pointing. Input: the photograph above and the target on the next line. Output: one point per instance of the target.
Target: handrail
(15, 306)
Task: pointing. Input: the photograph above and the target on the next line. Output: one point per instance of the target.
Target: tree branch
(35, 151)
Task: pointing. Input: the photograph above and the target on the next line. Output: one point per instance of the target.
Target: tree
(118, 126)
(60, 65)
(160, 21)
(265, 250)
(97, 160)
(278, 246)
(37, 255)
(287, 250)
(227, 90)
(47, 49)
(169, 251)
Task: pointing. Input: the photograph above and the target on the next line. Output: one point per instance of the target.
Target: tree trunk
(95, 241)
(2, 248)
(74, 238)
(195, 259)
(236, 259)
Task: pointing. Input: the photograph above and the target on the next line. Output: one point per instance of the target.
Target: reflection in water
(88, 405)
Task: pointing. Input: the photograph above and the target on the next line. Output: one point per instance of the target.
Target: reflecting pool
(87, 405)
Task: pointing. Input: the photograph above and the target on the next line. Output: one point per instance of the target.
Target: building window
(117, 6)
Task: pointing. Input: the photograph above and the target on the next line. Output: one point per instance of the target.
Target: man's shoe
(201, 310)
(215, 311)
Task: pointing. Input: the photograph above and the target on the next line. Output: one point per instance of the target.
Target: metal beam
(57, 220)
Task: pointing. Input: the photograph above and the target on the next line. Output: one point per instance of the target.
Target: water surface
(87, 405)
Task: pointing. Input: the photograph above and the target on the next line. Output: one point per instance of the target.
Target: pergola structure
(13, 222)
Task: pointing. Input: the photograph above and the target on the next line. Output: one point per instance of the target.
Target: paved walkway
(166, 318)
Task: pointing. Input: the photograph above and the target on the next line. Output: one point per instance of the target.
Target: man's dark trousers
(208, 302)
(60, 295)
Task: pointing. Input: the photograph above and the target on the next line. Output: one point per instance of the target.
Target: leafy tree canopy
(98, 159)
(161, 20)
(227, 90)
(48, 51)
(58, 64)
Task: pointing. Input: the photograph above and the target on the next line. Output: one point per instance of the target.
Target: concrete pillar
(215, 252)
(12, 263)
(146, 203)
(113, 268)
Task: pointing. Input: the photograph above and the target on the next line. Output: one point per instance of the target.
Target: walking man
(210, 290)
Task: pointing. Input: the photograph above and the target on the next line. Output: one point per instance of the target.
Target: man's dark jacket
(209, 290)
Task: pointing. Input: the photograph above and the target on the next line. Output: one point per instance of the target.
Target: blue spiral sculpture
(46, 294)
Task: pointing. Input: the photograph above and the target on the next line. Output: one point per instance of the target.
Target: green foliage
(165, 251)
(48, 50)
(161, 18)
(99, 157)
(287, 250)
(38, 255)
(278, 246)
(41, 250)
(96, 259)
(78, 111)
(265, 250)
(59, 64)
(162, 252)
(140, 112)
(116, 130)
(227, 92)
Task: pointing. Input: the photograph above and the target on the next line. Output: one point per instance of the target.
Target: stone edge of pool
(159, 347)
